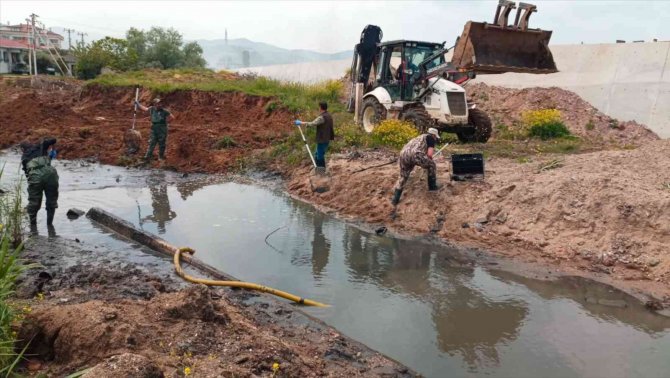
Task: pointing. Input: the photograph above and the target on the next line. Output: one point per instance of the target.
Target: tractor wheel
(373, 113)
(419, 117)
(479, 130)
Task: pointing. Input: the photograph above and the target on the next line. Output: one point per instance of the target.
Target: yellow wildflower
(275, 367)
(40, 296)
(27, 309)
(187, 371)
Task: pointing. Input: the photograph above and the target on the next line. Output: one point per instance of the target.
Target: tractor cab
(401, 65)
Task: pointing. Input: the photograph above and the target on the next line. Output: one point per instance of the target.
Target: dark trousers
(158, 136)
(320, 155)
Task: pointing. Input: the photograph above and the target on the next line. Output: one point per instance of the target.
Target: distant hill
(220, 55)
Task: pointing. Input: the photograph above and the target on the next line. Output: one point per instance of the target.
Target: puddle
(413, 301)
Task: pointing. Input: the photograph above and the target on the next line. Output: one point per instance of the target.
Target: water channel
(410, 300)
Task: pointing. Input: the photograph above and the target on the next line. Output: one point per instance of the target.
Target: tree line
(161, 48)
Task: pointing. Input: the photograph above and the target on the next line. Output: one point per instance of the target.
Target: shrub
(225, 142)
(544, 124)
(394, 133)
(549, 131)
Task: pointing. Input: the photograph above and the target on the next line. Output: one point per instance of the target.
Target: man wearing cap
(418, 151)
(159, 127)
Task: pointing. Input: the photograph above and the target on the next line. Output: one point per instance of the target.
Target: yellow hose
(240, 284)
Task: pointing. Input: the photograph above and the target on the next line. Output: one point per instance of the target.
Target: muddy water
(422, 304)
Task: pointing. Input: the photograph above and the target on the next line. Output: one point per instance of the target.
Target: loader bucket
(487, 48)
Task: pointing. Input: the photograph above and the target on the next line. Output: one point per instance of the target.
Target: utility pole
(82, 37)
(69, 38)
(32, 20)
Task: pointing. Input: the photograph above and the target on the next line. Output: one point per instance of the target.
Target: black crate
(466, 166)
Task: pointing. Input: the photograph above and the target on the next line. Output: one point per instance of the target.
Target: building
(15, 43)
(13, 56)
(23, 33)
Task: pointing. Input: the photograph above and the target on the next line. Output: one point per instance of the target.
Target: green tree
(108, 52)
(193, 56)
(157, 48)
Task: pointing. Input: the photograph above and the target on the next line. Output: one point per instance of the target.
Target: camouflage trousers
(158, 136)
(42, 180)
(408, 161)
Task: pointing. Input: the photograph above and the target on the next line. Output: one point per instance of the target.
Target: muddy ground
(87, 307)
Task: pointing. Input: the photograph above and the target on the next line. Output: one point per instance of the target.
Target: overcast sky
(335, 26)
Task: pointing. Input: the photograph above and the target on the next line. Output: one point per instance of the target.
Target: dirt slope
(606, 212)
(91, 121)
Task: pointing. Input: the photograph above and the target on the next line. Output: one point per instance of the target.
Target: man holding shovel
(324, 133)
(159, 128)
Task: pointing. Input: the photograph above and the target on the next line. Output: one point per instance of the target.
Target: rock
(320, 183)
(653, 262)
(74, 213)
(465, 225)
(381, 230)
(501, 218)
(125, 365)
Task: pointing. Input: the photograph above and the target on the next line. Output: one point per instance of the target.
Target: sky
(332, 26)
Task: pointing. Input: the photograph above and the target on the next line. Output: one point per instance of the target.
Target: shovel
(132, 138)
(320, 183)
(307, 147)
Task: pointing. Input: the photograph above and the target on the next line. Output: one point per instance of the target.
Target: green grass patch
(225, 142)
(295, 97)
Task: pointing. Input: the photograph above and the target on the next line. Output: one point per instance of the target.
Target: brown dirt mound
(505, 106)
(91, 122)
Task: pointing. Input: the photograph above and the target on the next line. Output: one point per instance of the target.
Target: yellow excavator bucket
(499, 47)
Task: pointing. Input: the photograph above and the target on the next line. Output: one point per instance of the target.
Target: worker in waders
(42, 178)
(418, 151)
(159, 128)
(325, 132)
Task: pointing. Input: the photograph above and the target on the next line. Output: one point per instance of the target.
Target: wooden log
(151, 241)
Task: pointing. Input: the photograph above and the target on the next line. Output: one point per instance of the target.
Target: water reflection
(160, 202)
(600, 300)
(467, 321)
(320, 248)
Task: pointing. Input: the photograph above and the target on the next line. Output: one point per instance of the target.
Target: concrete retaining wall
(627, 81)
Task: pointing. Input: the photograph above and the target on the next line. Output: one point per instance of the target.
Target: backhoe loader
(414, 81)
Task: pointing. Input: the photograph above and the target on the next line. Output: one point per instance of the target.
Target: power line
(82, 37)
(69, 38)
